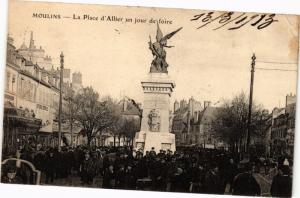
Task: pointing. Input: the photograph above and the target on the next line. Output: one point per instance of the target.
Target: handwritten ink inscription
(233, 21)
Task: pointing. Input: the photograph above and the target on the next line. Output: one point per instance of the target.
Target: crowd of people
(188, 169)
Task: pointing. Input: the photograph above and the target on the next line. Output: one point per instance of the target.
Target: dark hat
(247, 166)
(285, 169)
(10, 167)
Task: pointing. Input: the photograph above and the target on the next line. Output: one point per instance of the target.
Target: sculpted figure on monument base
(154, 120)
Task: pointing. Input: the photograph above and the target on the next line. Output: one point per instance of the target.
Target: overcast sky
(207, 64)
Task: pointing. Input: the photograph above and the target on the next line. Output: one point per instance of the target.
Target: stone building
(183, 114)
(202, 132)
(13, 62)
(35, 54)
(28, 104)
(31, 96)
(283, 128)
(77, 81)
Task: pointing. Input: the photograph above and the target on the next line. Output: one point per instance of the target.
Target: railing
(18, 164)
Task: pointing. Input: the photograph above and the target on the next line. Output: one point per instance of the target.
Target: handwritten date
(233, 21)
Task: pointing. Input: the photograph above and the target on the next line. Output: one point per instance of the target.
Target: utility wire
(273, 69)
(273, 62)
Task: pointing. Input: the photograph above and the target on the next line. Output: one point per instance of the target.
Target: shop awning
(19, 118)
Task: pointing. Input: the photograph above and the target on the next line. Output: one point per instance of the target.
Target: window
(7, 80)
(13, 82)
(21, 88)
(30, 91)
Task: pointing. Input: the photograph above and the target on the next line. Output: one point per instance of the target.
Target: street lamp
(60, 99)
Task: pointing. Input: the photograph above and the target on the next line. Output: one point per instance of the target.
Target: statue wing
(168, 36)
(159, 34)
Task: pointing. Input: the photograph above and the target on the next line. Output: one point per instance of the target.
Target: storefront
(20, 129)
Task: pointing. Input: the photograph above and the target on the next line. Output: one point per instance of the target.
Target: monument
(157, 88)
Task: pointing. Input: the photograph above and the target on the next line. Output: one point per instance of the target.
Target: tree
(129, 128)
(114, 122)
(93, 115)
(230, 123)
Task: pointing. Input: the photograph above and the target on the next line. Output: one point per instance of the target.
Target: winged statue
(159, 64)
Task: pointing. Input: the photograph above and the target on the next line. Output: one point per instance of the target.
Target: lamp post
(250, 103)
(60, 99)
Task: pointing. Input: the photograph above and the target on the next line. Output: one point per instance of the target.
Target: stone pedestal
(155, 126)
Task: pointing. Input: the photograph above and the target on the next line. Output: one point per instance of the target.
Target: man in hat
(120, 177)
(109, 178)
(231, 170)
(50, 166)
(161, 154)
(10, 174)
(244, 183)
(87, 169)
(152, 152)
(213, 183)
(178, 181)
(130, 178)
(282, 182)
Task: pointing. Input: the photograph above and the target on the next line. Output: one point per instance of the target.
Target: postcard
(150, 99)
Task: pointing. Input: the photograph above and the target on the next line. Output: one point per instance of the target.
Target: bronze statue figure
(159, 64)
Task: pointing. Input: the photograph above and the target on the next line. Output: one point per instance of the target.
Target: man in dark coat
(213, 183)
(9, 174)
(109, 178)
(245, 184)
(130, 178)
(154, 171)
(282, 183)
(194, 176)
(178, 181)
(87, 170)
(50, 166)
(231, 170)
(161, 179)
(141, 167)
(120, 177)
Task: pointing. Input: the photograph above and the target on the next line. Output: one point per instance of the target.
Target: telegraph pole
(71, 113)
(60, 98)
(250, 102)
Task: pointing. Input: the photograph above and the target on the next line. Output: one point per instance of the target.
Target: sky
(207, 64)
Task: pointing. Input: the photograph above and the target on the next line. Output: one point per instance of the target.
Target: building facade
(182, 119)
(283, 128)
(31, 96)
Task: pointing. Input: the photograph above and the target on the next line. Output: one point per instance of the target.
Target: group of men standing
(193, 170)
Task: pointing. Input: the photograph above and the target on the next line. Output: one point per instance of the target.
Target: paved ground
(74, 181)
